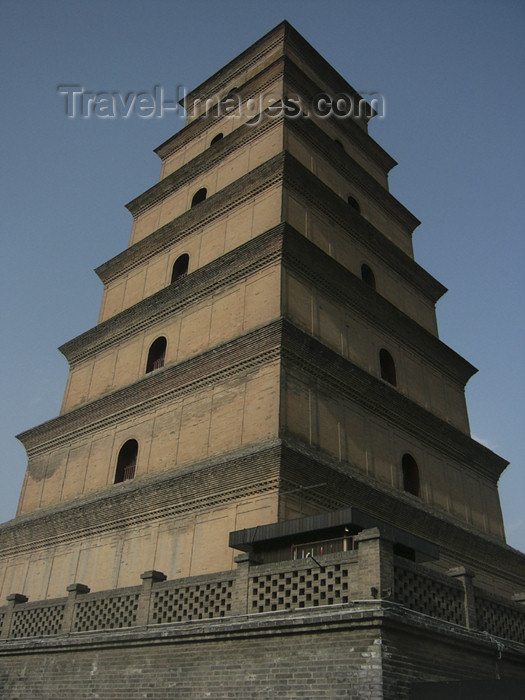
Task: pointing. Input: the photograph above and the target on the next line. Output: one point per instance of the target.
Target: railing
(303, 584)
(158, 363)
(499, 618)
(319, 549)
(128, 472)
(342, 578)
(37, 619)
(155, 602)
(428, 592)
(114, 610)
(200, 599)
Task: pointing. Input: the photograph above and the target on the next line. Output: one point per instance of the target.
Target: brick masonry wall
(453, 655)
(370, 572)
(369, 651)
(298, 629)
(251, 661)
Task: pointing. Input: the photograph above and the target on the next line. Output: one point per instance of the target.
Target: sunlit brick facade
(266, 350)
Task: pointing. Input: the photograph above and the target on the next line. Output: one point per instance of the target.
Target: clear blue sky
(451, 74)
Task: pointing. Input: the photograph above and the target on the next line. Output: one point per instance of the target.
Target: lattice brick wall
(110, 612)
(37, 622)
(429, 595)
(299, 588)
(500, 620)
(192, 602)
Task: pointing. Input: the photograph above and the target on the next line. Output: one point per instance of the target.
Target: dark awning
(324, 524)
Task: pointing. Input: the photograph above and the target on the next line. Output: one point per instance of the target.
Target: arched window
(156, 355)
(127, 461)
(216, 139)
(199, 196)
(339, 146)
(368, 276)
(354, 204)
(180, 267)
(410, 475)
(388, 368)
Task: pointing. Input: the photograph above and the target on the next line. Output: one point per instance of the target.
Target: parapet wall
(364, 625)
(371, 572)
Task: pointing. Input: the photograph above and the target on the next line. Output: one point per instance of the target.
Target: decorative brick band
(167, 494)
(245, 189)
(249, 351)
(313, 265)
(304, 355)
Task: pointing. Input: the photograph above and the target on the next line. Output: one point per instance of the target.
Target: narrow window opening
(127, 461)
(180, 267)
(156, 355)
(410, 475)
(354, 204)
(199, 196)
(339, 146)
(388, 367)
(368, 276)
(216, 139)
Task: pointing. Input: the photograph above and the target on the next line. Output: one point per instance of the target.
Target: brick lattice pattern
(301, 588)
(192, 602)
(430, 596)
(500, 620)
(37, 621)
(112, 612)
(267, 588)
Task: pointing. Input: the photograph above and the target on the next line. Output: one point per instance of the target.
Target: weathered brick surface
(270, 405)
(238, 660)
(423, 655)
(111, 518)
(369, 651)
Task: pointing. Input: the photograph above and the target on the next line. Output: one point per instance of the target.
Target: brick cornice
(319, 141)
(234, 358)
(322, 198)
(258, 54)
(372, 618)
(313, 265)
(376, 622)
(292, 45)
(238, 139)
(256, 348)
(299, 178)
(305, 259)
(346, 485)
(254, 56)
(151, 497)
(295, 77)
(242, 190)
(308, 359)
(250, 89)
(244, 134)
(275, 465)
(247, 259)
